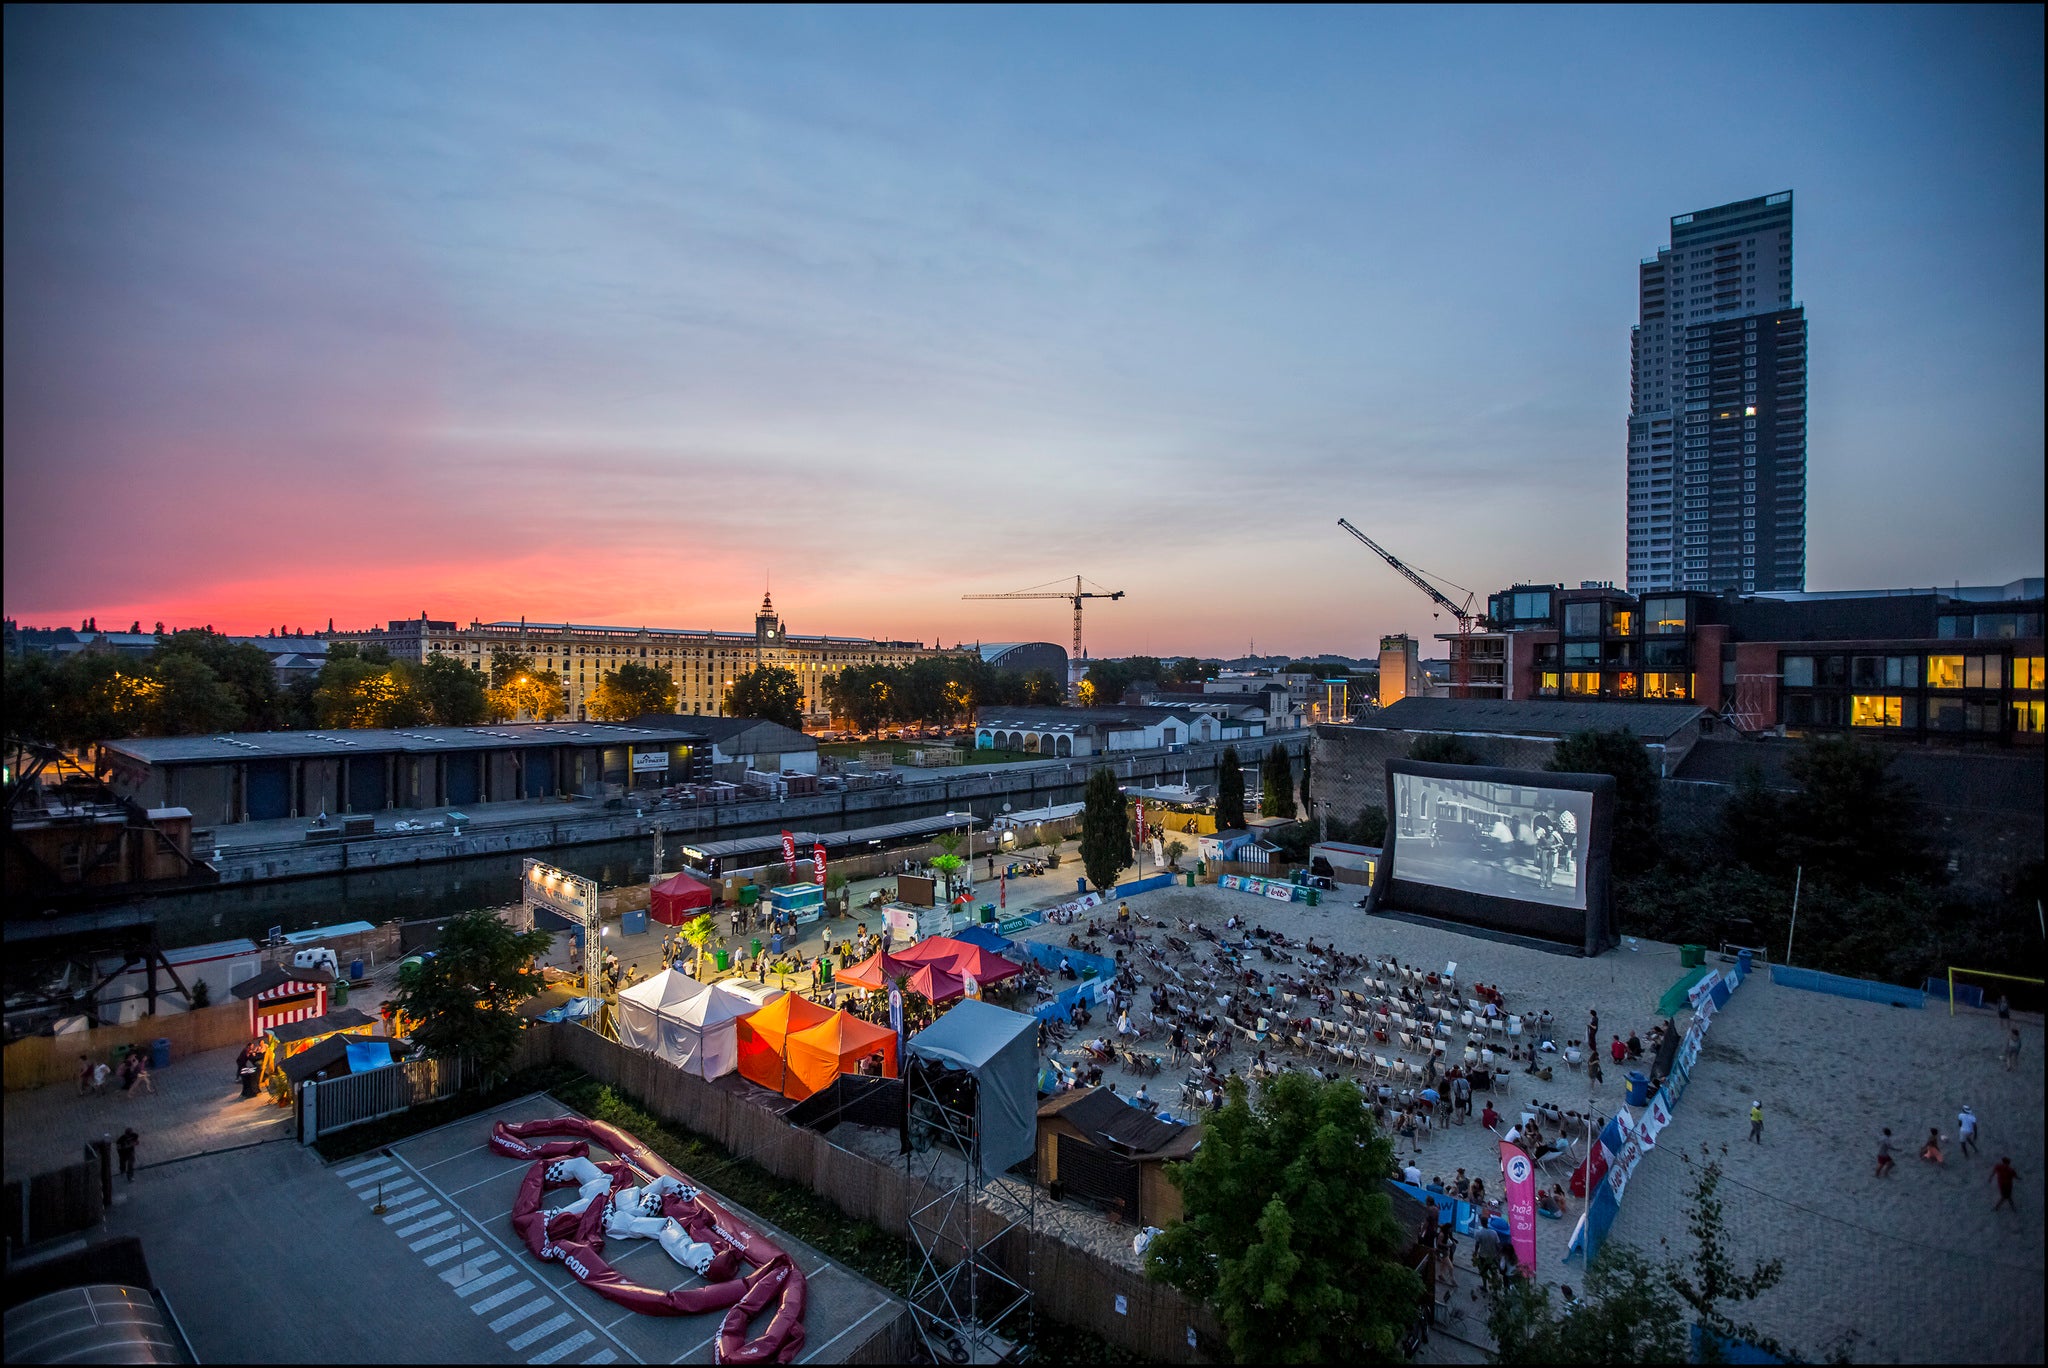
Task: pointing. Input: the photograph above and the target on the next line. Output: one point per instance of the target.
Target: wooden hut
(1094, 1145)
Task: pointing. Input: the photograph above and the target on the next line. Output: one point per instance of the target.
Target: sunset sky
(610, 315)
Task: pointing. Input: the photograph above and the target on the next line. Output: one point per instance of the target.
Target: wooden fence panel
(44, 1061)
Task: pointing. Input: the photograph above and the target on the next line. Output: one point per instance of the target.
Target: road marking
(568, 1347)
(450, 1233)
(417, 1226)
(454, 1276)
(453, 1157)
(441, 1256)
(601, 1356)
(481, 1181)
(359, 1165)
(498, 1299)
(415, 1209)
(378, 1176)
(395, 1198)
(540, 1332)
(520, 1313)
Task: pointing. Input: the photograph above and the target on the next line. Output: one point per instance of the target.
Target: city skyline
(611, 317)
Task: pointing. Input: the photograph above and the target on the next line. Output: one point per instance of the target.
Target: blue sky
(610, 314)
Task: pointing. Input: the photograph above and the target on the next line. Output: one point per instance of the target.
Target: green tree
(1440, 749)
(768, 692)
(1041, 689)
(190, 699)
(1638, 791)
(450, 692)
(860, 694)
(242, 667)
(1229, 791)
(1276, 783)
(1852, 822)
(1631, 1316)
(634, 690)
(1189, 670)
(699, 932)
(1288, 1232)
(1105, 830)
(463, 997)
(507, 665)
(1751, 825)
(1709, 1282)
(30, 689)
(352, 691)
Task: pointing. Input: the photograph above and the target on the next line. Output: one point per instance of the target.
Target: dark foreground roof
(1102, 1114)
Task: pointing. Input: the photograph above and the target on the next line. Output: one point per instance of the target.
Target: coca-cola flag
(789, 852)
(818, 863)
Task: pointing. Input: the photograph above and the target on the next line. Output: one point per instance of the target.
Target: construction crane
(1461, 653)
(1073, 659)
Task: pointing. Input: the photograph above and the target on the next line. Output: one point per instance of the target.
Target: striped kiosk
(277, 997)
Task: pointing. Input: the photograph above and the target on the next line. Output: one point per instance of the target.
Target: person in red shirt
(2002, 1173)
(1489, 1118)
(1618, 1050)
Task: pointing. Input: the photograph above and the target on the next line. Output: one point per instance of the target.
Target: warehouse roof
(1533, 717)
(300, 745)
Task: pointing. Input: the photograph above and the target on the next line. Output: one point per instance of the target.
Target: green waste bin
(722, 959)
(1314, 898)
(1191, 878)
(757, 946)
(341, 992)
(1692, 956)
(749, 894)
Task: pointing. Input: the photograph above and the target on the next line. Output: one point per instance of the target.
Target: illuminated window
(1549, 684)
(1667, 685)
(1621, 623)
(1585, 684)
(2027, 715)
(2026, 672)
(1875, 710)
(1662, 616)
(1945, 672)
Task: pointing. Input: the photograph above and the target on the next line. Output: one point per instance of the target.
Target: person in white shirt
(1966, 1130)
(1412, 1175)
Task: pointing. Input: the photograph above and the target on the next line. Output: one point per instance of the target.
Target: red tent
(678, 899)
(962, 957)
(936, 983)
(876, 970)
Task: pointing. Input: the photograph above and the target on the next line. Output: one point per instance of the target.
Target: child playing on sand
(1931, 1151)
(1884, 1153)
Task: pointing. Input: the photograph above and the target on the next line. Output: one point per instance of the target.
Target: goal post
(1953, 970)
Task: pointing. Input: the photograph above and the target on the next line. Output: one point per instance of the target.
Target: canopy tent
(877, 970)
(690, 1024)
(936, 983)
(833, 1047)
(999, 1048)
(762, 1038)
(678, 899)
(962, 957)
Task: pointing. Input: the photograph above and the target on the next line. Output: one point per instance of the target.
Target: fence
(59, 1202)
(1071, 1285)
(1814, 981)
(42, 1061)
(325, 1106)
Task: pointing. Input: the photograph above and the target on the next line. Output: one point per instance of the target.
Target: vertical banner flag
(1003, 891)
(1141, 821)
(1655, 1118)
(818, 863)
(896, 1010)
(789, 852)
(1520, 1175)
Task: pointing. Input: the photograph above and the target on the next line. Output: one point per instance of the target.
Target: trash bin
(1191, 878)
(341, 992)
(749, 894)
(160, 1053)
(988, 913)
(757, 946)
(1638, 1088)
(721, 958)
(775, 944)
(1743, 958)
(1315, 898)
(1080, 887)
(355, 971)
(1692, 956)
(634, 923)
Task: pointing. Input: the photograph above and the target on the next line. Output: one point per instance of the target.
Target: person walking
(1966, 1129)
(1885, 1162)
(2002, 1173)
(1756, 1122)
(2012, 1049)
(124, 1147)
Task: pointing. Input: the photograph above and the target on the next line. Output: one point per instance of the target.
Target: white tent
(687, 1023)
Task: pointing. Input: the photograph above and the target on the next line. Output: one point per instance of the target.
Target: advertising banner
(650, 761)
(818, 864)
(789, 851)
(1141, 821)
(1518, 1171)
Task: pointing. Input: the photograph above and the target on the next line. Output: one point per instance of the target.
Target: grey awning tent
(1000, 1048)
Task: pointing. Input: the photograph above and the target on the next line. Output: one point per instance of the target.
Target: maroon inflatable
(576, 1239)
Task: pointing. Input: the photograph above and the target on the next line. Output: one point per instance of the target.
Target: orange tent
(763, 1037)
(833, 1047)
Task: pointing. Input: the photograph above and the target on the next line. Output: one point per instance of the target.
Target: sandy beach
(1911, 1268)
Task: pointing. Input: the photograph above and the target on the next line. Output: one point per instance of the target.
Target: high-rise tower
(1717, 413)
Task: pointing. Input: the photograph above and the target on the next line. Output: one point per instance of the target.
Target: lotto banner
(1519, 1173)
(818, 863)
(789, 850)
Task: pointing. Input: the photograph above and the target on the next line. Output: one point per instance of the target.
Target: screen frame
(1588, 931)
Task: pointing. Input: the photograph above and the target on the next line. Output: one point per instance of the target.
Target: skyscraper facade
(1717, 412)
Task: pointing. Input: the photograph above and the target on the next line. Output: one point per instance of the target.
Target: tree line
(941, 689)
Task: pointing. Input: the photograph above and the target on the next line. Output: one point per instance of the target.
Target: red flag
(818, 863)
(1003, 891)
(789, 852)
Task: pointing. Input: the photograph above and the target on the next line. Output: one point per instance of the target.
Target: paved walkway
(197, 1108)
